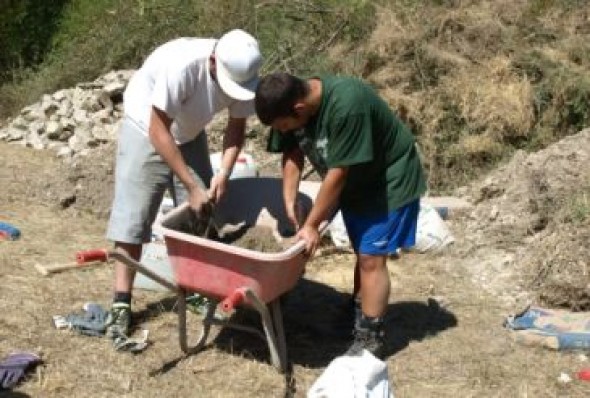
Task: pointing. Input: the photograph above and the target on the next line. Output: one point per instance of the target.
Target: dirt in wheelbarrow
(256, 238)
(444, 322)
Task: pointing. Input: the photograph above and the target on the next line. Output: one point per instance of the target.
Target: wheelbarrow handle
(87, 256)
(104, 255)
(142, 269)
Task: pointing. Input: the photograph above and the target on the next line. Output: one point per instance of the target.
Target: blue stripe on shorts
(383, 234)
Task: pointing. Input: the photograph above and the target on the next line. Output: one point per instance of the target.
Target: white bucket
(154, 256)
(245, 165)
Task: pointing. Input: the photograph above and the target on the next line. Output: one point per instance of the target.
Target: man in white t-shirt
(162, 143)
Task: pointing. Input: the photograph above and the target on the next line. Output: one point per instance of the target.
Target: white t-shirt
(175, 78)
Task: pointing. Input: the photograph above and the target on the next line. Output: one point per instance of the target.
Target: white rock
(80, 116)
(49, 107)
(13, 134)
(53, 130)
(564, 378)
(65, 108)
(64, 152)
(20, 123)
(36, 127)
(102, 117)
(115, 88)
(35, 141)
(494, 213)
(60, 95)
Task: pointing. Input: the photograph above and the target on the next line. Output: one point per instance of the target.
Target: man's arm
(325, 203)
(292, 163)
(233, 140)
(162, 140)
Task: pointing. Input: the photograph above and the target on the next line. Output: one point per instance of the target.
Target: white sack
(361, 376)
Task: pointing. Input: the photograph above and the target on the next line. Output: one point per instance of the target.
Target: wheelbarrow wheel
(182, 329)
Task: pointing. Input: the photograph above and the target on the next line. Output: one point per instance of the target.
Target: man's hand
(199, 201)
(311, 236)
(295, 214)
(218, 185)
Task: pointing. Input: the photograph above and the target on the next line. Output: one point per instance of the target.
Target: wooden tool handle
(51, 269)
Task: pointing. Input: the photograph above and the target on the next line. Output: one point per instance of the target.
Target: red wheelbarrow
(231, 275)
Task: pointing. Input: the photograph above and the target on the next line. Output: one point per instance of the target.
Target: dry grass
(458, 351)
(493, 99)
(450, 72)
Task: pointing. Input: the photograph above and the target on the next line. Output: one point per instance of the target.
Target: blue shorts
(381, 235)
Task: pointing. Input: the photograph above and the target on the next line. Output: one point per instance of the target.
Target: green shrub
(561, 97)
(577, 208)
(100, 35)
(26, 28)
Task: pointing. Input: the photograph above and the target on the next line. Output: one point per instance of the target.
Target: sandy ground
(457, 349)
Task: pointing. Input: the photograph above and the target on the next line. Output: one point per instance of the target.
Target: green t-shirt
(355, 128)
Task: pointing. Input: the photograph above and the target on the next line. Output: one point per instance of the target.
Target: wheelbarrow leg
(268, 327)
(182, 335)
(277, 318)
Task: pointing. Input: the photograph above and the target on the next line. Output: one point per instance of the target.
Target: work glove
(199, 201)
(90, 323)
(13, 368)
(133, 345)
(202, 223)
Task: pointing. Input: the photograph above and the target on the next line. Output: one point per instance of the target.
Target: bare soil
(523, 242)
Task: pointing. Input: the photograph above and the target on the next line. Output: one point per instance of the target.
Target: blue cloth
(11, 231)
(557, 329)
(383, 234)
(92, 322)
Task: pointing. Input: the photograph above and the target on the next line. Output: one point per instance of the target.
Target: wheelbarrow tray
(216, 269)
(221, 271)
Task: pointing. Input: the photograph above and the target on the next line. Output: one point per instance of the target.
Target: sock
(374, 324)
(122, 297)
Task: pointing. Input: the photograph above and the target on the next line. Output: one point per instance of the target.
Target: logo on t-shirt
(321, 146)
(315, 156)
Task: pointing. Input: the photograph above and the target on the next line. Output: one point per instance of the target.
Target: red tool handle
(87, 256)
(584, 374)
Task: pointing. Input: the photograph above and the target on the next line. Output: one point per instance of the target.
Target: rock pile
(72, 121)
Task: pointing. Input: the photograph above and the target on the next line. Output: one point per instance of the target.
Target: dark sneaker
(365, 339)
(118, 320)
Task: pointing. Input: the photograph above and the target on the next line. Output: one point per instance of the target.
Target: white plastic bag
(338, 233)
(432, 233)
(353, 377)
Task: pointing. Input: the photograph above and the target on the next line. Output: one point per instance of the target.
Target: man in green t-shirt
(370, 169)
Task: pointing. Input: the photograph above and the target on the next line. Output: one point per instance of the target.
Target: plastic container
(245, 165)
(155, 257)
(8, 231)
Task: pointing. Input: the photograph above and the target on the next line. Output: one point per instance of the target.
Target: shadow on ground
(318, 324)
(12, 394)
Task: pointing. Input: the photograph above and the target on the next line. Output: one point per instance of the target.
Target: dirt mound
(537, 207)
(86, 182)
(532, 213)
(83, 184)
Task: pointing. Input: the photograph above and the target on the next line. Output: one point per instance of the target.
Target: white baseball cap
(237, 61)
